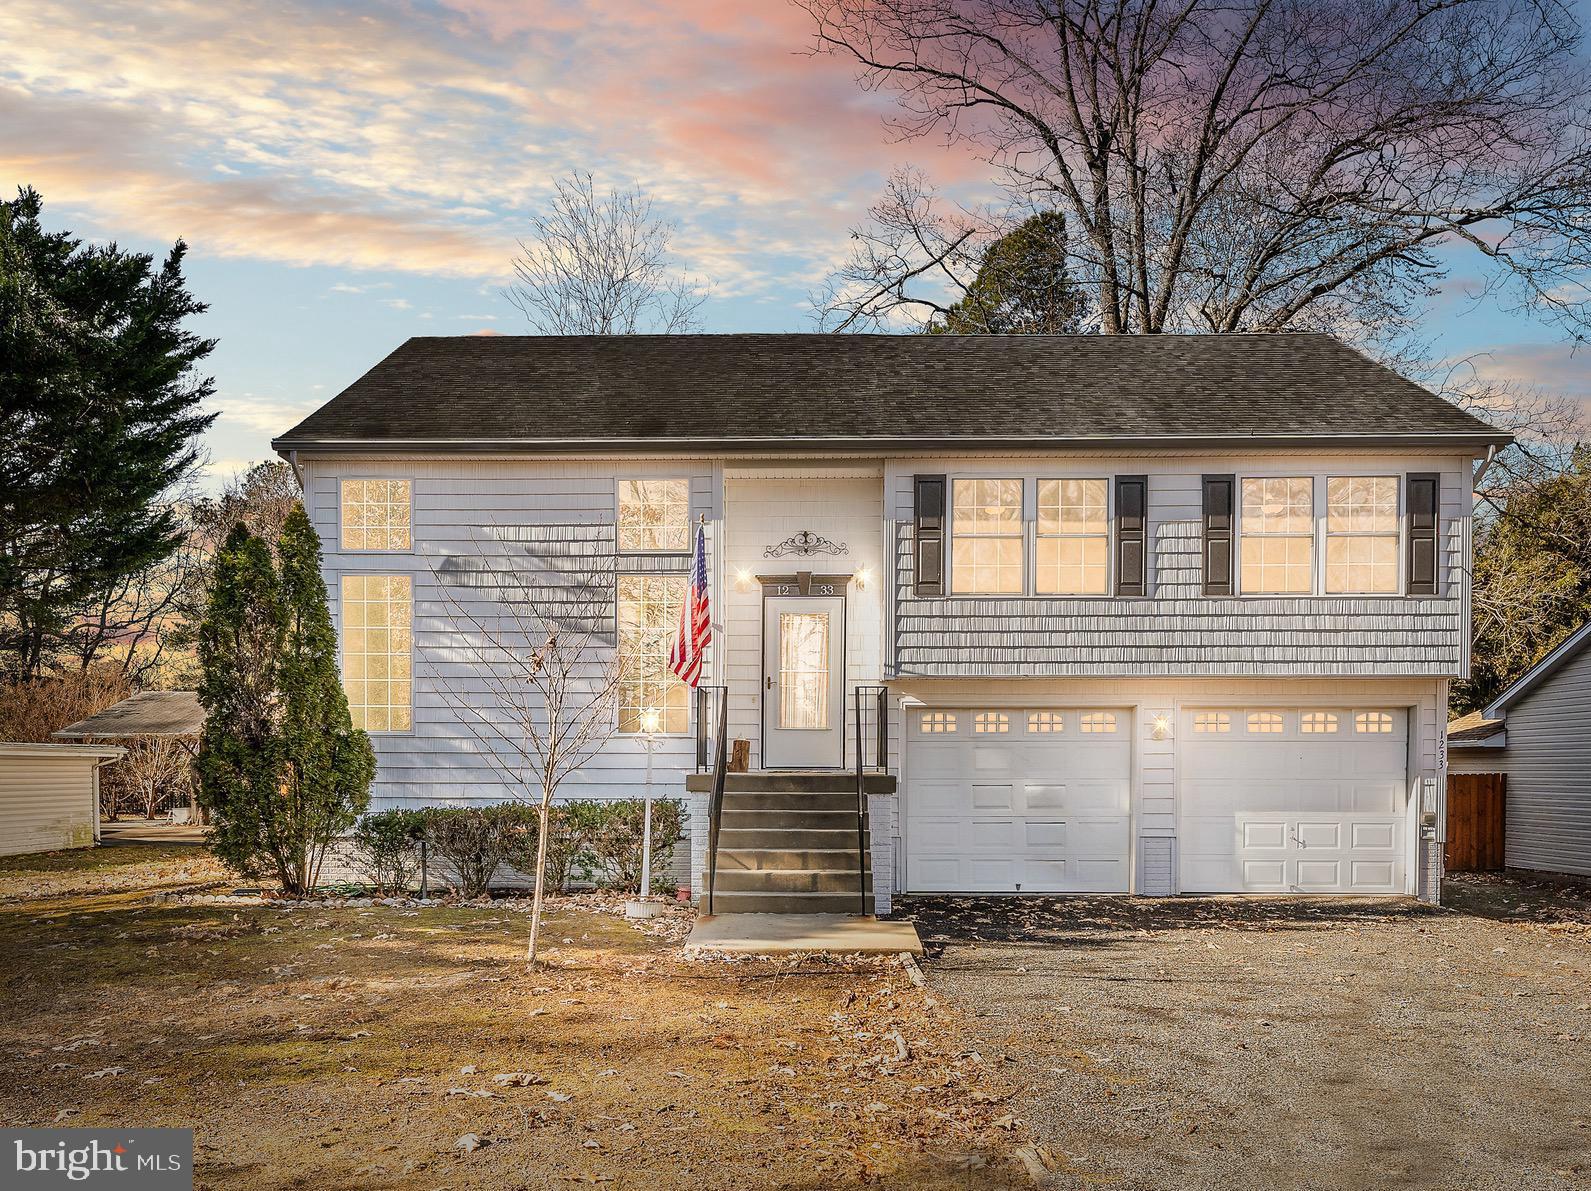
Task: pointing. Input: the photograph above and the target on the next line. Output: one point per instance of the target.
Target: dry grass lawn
(353, 1047)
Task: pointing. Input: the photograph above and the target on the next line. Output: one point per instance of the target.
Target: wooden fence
(1475, 822)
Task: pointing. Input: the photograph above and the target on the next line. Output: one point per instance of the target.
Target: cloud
(1555, 369)
(418, 139)
(264, 415)
(398, 303)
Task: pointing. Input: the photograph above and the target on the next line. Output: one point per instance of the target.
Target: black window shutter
(1131, 509)
(1218, 493)
(1424, 489)
(928, 535)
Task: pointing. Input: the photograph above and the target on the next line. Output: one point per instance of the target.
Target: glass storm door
(803, 706)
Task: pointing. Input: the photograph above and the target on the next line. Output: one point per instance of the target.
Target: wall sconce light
(742, 579)
(863, 578)
(1160, 726)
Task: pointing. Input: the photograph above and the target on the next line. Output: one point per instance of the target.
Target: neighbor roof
(151, 713)
(642, 392)
(1473, 730)
(1569, 649)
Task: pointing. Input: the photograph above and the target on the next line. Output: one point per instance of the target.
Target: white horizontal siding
(47, 803)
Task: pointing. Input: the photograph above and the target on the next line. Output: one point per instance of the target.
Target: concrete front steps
(787, 843)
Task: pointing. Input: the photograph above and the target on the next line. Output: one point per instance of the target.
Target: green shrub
(477, 841)
(615, 840)
(385, 850)
(569, 857)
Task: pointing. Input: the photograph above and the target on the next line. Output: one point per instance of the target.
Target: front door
(803, 662)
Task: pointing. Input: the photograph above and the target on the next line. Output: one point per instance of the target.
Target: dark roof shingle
(530, 391)
(149, 713)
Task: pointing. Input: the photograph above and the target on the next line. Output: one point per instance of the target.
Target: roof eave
(1540, 672)
(1458, 440)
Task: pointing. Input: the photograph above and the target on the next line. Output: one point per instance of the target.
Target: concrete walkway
(149, 831)
(786, 934)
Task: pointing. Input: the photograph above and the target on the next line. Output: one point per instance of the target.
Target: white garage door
(1017, 801)
(1293, 800)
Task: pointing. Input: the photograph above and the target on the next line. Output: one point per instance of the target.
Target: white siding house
(1153, 617)
(49, 795)
(1538, 733)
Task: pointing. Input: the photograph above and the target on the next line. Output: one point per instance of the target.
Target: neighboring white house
(49, 795)
(1538, 733)
(1151, 613)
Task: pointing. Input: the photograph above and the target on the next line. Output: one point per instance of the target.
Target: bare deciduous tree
(600, 264)
(533, 639)
(1230, 165)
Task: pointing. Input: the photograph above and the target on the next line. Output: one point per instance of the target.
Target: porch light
(742, 579)
(863, 578)
(1160, 727)
(651, 721)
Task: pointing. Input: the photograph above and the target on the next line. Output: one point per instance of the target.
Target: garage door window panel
(1073, 538)
(1362, 535)
(1276, 536)
(986, 537)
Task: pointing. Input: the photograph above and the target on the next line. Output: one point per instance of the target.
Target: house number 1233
(817, 589)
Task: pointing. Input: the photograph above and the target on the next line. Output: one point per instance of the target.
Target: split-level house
(1155, 614)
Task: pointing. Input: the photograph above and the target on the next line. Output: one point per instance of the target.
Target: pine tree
(328, 763)
(240, 752)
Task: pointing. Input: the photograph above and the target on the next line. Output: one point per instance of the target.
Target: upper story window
(1361, 535)
(986, 537)
(376, 515)
(378, 651)
(1277, 536)
(1072, 549)
(649, 692)
(654, 516)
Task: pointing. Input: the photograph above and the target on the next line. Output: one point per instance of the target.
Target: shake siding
(1177, 630)
(1548, 762)
(539, 519)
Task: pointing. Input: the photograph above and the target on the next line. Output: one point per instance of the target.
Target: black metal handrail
(715, 808)
(878, 698)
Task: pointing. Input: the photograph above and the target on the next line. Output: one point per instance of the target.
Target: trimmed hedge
(590, 841)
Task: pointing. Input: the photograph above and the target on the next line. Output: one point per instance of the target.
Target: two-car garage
(1268, 799)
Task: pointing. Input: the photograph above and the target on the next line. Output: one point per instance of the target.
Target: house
(1144, 614)
(1538, 734)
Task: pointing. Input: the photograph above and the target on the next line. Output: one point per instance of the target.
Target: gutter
(290, 446)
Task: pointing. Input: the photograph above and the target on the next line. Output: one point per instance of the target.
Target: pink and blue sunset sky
(349, 175)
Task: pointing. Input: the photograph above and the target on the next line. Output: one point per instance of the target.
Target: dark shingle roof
(151, 713)
(529, 392)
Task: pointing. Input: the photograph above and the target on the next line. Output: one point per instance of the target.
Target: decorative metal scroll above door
(804, 545)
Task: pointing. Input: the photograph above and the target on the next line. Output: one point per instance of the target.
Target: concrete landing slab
(785, 934)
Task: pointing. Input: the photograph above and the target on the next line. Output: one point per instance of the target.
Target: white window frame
(690, 537)
(342, 521)
(1399, 533)
(1238, 535)
(1023, 537)
(414, 649)
(1109, 535)
(618, 720)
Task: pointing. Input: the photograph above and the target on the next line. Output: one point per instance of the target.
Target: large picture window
(378, 651)
(1277, 536)
(1073, 545)
(1362, 535)
(986, 537)
(654, 516)
(648, 611)
(376, 514)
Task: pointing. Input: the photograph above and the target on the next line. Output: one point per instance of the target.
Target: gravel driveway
(1322, 1043)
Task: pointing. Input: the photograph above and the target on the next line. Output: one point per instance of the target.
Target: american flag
(695, 631)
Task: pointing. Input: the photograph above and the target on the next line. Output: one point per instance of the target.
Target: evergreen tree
(1022, 287)
(282, 769)
(240, 752)
(99, 412)
(328, 764)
